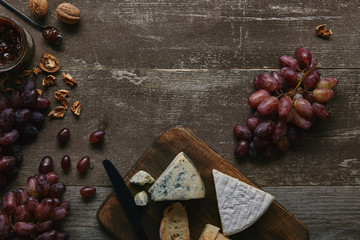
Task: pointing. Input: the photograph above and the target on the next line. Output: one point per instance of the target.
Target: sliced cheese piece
(240, 205)
(180, 181)
(141, 178)
(141, 198)
(221, 236)
(209, 233)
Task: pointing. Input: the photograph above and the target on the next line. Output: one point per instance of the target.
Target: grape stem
(301, 78)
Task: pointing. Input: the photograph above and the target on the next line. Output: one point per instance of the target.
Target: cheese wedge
(240, 205)
(180, 181)
(209, 233)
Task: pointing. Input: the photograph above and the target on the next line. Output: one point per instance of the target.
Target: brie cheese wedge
(240, 205)
(180, 181)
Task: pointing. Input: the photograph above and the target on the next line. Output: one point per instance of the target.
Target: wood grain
(145, 65)
(277, 223)
(212, 34)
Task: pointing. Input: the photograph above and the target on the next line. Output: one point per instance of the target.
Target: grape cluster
(20, 119)
(37, 212)
(285, 103)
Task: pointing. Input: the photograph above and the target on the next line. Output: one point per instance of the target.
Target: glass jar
(16, 46)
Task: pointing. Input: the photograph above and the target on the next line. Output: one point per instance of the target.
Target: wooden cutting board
(276, 224)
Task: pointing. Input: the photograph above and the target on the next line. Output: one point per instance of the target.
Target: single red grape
(96, 136)
(87, 191)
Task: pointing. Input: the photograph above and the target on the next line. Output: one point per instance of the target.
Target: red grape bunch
(36, 213)
(21, 116)
(285, 103)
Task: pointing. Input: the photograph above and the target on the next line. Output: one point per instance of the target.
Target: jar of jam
(16, 46)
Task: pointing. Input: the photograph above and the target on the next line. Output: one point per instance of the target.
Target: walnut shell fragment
(49, 81)
(57, 112)
(76, 108)
(323, 31)
(68, 13)
(49, 63)
(60, 95)
(68, 79)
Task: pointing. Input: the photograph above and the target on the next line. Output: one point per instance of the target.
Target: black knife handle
(126, 199)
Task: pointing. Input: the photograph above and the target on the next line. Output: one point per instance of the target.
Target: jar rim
(22, 51)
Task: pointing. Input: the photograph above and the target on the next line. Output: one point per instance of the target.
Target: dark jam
(53, 36)
(10, 42)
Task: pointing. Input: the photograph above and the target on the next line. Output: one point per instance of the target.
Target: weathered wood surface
(145, 65)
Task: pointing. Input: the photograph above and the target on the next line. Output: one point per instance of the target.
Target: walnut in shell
(39, 7)
(68, 13)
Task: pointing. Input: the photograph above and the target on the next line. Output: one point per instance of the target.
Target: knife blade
(126, 198)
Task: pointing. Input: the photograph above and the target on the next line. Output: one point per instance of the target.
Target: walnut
(68, 13)
(18, 82)
(323, 31)
(24, 74)
(49, 80)
(60, 95)
(40, 92)
(36, 71)
(57, 112)
(39, 7)
(61, 92)
(49, 63)
(76, 108)
(68, 79)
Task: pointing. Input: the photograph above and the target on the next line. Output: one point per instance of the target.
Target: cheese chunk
(141, 178)
(141, 198)
(209, 233)
(221, 236)
(240, 205)
(180, 181)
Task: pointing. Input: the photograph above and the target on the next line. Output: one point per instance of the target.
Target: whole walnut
(39, 7)
(68, 13)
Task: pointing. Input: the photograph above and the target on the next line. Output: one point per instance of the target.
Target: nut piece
(76, 108)
(68, 13)
(49, 63)
(36, 71)
(24, 74)
(322, 31)
(49, 80)
(61, 92)
(68, 79)
(57, 112)
(40, 92)
(60, 95)
(39, 7)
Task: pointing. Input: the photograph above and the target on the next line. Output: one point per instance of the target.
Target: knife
(125, 198)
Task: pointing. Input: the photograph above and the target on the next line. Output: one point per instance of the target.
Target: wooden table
(145, 65)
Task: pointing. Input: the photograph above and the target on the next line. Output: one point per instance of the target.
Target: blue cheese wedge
(240, 205)
(141, 198)
(180, 181)
(141, 178)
